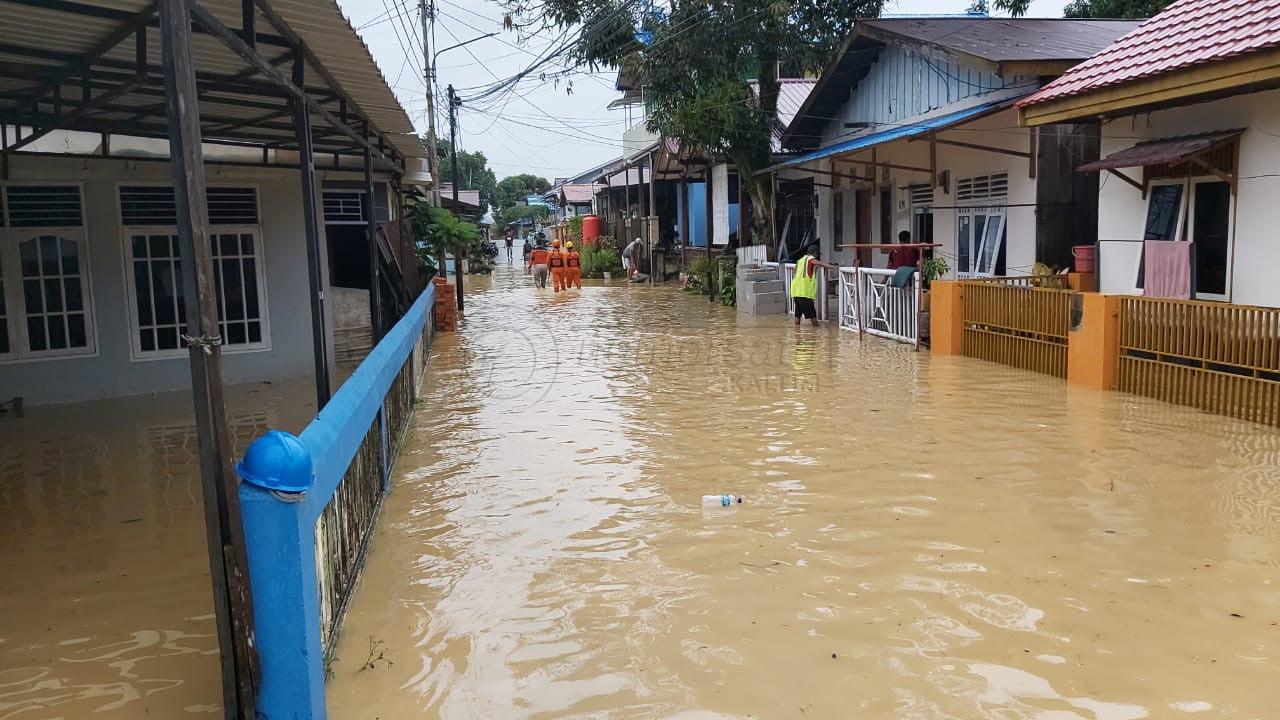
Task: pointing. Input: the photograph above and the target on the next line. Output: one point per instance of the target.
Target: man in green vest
(804, 286)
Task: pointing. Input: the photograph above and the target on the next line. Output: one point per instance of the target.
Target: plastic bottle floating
(721, 500)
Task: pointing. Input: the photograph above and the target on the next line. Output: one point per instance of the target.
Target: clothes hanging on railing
(1167, 269)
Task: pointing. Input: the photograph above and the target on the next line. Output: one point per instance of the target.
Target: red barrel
(590, 229)
(1086, 257)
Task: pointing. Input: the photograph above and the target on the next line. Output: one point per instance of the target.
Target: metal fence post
(279, 529)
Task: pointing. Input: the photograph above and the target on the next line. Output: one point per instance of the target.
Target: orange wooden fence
(1223, 359)
(1021, 326)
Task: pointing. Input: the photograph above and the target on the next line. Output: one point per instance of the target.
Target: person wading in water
(538, 261)
(555, 261)
(804, 286)
(572, 267)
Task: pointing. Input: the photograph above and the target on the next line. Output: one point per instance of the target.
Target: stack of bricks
(446, 307)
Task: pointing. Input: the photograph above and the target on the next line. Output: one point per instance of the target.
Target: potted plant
(931, 269)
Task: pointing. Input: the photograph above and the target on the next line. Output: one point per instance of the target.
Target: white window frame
(978, 245)
(1179, 232)
(1231, 236)
(1185, 229)
(991, 206)
(15, 316)
(136, 353)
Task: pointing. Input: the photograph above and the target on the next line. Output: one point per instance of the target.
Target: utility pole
(454, 102)
(428, 75)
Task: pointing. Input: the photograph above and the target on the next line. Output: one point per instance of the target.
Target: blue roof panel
(895, 133)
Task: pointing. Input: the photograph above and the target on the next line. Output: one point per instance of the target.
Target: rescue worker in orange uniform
(572, 267)
(555, 261)
(538, 262)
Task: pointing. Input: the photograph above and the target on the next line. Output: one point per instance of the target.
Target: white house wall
(1122, 210)
(999, 130)
(111, 371)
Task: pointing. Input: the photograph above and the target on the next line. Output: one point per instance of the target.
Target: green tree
(516, 212)
(1115, 8)
(697, 62)
(516, 188)
(437, 232)
(1131, 9)
(473, 172)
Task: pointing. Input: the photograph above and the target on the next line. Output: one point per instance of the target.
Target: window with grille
(343, 207)
(156, 283)
(148, 205)
(155, 279)
(44, 289)
(52, 294)
(983, 187)
(43, 206)
(921, 195)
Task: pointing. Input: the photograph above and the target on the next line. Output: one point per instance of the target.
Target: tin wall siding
(905, 83)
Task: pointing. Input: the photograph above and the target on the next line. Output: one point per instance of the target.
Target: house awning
(1167, 151)
(899, 132)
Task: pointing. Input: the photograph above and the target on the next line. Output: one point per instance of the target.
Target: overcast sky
(538, 127)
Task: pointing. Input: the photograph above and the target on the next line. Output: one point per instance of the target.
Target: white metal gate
(870, 303)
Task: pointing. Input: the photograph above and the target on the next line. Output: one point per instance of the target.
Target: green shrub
(575, 229)
(697, 276)
(609, 261)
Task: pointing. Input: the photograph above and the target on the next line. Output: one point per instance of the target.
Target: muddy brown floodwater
(106, 609)
(920, 537)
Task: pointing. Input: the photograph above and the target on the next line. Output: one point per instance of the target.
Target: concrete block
(767, 304)
(758, 276)
(766, 286)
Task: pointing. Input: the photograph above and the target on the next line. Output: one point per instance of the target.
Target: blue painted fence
(305, 549)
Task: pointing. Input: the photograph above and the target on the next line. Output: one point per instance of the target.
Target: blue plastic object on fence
(277, 461)
(280, 535)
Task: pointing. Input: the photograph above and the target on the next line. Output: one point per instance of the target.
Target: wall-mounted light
(944, 181)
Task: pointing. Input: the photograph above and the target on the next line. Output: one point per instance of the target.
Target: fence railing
(1025, 327)
(1223, 359)
(870, 303)
(306, 549)
(1047, 282)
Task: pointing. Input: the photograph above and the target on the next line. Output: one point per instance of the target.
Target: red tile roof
(1187, 33)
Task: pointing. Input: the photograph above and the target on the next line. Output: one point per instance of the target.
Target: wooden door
(862, 213)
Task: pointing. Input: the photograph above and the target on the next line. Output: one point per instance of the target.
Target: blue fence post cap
(277, 461)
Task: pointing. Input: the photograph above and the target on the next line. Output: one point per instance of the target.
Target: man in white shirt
(631, 257)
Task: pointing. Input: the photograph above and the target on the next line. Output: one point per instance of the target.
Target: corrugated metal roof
(1167, 151)
(792, 92)
(465, 197)
(864, 141)
(791, 96)
(46, 37)
(1009, 39)
(992, 40)
(1187, 33)
(578, 194)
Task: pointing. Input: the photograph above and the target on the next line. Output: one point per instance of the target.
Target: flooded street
(919, 537)
(106, 608)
